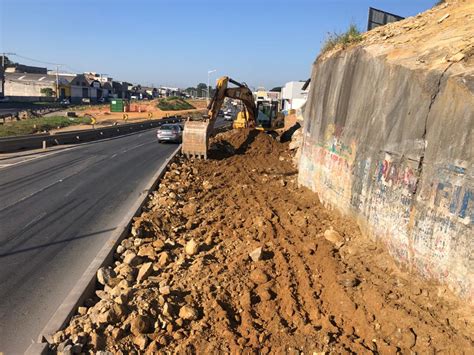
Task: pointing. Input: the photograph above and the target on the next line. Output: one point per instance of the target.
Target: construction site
(341, 227)
(350, 232)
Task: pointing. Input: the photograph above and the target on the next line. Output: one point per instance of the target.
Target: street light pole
(209, 72)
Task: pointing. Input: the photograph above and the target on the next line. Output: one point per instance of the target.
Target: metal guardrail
(36, 141)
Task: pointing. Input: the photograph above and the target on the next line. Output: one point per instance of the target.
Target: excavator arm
(241, 92)
(196, 133)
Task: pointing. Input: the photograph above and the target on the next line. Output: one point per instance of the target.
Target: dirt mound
(230, 256)
(247, 142)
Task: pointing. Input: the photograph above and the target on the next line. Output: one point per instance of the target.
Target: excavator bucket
(195, 139)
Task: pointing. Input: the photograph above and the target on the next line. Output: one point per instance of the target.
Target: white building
(263, 95)
(293, 96)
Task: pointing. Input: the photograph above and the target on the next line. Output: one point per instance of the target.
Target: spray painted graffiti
(394, 174)
(328, 166)
(426, 229)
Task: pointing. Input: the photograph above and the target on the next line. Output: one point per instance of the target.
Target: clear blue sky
(174, 43)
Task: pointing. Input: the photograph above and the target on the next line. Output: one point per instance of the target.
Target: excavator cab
(267, 114)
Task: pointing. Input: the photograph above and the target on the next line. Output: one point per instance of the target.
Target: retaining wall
(392, 146)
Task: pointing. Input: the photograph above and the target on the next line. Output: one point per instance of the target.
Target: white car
(170, 133)
(227, 117)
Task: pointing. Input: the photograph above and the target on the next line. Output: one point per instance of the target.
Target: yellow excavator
(196, 133)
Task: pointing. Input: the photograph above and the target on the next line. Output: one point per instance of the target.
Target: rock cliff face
(387, 138)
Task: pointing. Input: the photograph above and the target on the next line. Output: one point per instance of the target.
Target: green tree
(48, 92)
(201, 89)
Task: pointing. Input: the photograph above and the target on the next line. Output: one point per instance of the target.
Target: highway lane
(56, 212)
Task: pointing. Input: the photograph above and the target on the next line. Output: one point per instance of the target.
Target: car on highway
(227, 117)
(170, 133)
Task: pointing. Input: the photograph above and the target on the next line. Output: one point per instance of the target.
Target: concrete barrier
(392, 146)
(12, 144)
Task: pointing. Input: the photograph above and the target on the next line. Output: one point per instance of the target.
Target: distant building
(119, 89)
(107, 89)
(165, 91)
(11, 67)
(85, 87)
(293, 95)
(36, 87)
(151, 92)
(103, 78)
(264, 95)
(125, 89)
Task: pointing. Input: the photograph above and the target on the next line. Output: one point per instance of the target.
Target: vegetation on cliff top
(351, 36)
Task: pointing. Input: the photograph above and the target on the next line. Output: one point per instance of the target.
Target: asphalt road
(56, 212)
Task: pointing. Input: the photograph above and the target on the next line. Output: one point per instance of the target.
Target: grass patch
(352, 35)
(37, 125)
(174, 104)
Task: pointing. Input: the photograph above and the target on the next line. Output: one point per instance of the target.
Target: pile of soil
(230, 256)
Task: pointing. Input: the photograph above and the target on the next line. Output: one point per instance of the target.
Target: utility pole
(2, 74)
(3, 59)
(57, 82)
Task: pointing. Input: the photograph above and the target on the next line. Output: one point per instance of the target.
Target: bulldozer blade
(195, 139)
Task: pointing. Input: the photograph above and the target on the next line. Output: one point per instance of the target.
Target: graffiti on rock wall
(427, 229)
(392, 174)
(450, 195)
(443, 226)
(327, 166)
(389, 201)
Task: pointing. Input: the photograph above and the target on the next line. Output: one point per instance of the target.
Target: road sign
(379, 18)
(125, 116)
(93, 121)
(150, 114)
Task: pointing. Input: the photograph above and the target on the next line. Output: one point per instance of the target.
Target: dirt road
(231, 256)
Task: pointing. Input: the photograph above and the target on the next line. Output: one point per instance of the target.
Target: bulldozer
(197, 132)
